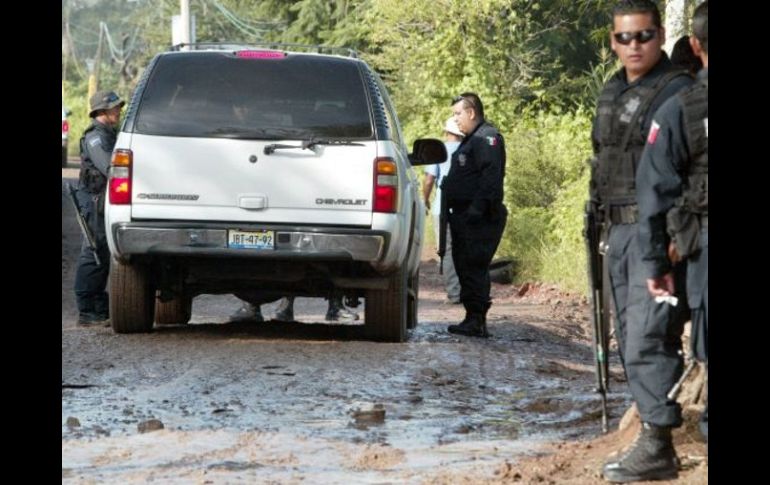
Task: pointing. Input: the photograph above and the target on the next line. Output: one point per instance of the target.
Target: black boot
(285, 311)
(473, 326)
(651, 457)
(337, 311)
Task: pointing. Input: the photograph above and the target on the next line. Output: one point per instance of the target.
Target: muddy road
(310, 401)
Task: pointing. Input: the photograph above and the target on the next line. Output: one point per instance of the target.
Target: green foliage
(545, 150)
(75, 99)
(523, 239)
(563, 253)
(545, 189)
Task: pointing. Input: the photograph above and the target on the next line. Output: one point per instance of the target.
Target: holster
(683, 227)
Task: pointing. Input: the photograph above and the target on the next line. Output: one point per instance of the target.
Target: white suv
(244, 170)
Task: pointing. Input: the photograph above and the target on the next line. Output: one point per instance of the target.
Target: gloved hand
(475, 212)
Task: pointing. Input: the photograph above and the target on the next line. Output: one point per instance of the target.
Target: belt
(624, 214)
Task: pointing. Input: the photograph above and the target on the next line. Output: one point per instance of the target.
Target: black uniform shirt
(619, 83)
(659, 180)
(478, 167)
(98, 145)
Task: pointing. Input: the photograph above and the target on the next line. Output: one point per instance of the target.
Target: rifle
(442, 227)
(600, 315)
(674, 392)
(83, 224)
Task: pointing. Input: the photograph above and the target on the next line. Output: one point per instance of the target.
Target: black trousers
(649, 334)
(473, 247)
(90, 279)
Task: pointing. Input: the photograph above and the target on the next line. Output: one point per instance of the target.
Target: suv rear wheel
(132, 297)
(385, 310)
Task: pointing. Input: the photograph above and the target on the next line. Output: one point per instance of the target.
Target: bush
(563, 254)
(75, 99)
(545, 190)
(523, 238)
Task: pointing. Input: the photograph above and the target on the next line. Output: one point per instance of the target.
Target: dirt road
(285, 403)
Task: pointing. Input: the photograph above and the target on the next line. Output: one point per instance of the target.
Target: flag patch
(654, 129)
(492, 140)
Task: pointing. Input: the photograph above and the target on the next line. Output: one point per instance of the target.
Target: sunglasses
(643, 36)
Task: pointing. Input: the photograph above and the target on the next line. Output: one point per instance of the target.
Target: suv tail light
(120, 177)
(385, 185)
(65, 127)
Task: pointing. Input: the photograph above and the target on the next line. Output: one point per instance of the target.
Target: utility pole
(93, 80)
(184, 7)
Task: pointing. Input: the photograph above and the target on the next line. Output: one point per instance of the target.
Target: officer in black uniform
(474, 196)
(96, 146)
(648, 333)
(672, 191)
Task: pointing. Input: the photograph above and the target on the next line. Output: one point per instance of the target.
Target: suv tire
(385, 310)
(132, 297)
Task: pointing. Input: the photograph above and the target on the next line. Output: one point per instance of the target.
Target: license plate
(251, 239)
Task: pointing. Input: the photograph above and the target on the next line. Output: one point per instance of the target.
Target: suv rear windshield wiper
(308, 145)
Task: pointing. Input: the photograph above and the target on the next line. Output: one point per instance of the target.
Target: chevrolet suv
(241, 169)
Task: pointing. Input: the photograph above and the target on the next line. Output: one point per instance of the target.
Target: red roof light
(260, 55)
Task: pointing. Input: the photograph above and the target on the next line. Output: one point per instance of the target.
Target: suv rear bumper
(290, 243)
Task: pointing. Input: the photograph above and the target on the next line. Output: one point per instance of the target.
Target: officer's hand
(673, 254)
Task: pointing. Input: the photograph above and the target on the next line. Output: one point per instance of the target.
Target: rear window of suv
(220, 95)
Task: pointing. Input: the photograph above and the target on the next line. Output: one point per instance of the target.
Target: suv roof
(319, 49)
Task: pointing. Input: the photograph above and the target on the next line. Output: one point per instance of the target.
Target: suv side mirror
(427, 151)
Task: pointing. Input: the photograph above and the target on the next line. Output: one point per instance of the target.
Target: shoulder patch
(492, 140)
(654, 129)
(95, 141)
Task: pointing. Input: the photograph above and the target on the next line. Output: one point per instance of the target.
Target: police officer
(474, 193)
(434, 174)
(648, 333)
(672, 184)
(96, 146)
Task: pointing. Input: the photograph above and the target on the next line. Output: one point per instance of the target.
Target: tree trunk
(676, 22)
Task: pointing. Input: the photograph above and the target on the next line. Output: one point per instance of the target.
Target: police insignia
(461, 158)
(492, 140)
(630, 108)
(654, 129)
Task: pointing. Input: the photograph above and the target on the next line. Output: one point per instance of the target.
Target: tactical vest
(622, 140)
(695, 110)
(91, 179)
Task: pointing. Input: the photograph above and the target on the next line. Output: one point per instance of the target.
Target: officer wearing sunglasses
(648, 333)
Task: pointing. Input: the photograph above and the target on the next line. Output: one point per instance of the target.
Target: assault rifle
(83, 224)
(443, 219)
(600, 312)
